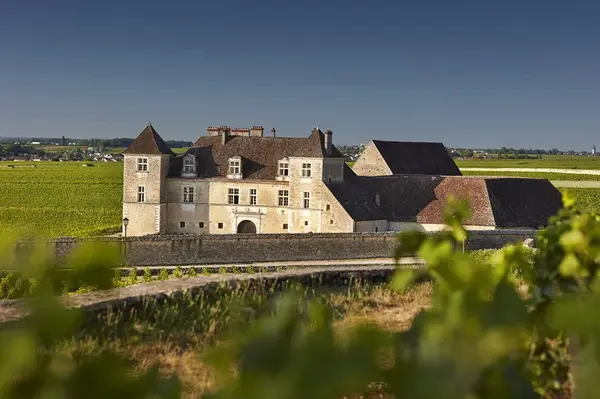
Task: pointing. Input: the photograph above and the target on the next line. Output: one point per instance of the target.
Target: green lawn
(60, 198)
(547, 161)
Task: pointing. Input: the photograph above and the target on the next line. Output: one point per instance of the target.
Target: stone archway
(246, 227)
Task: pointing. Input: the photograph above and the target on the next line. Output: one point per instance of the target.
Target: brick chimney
(273, 131)
(328, 139)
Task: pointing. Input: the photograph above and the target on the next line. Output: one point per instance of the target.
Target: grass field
(535, 175)
(547, 161)
(60, 198)
(179, 335)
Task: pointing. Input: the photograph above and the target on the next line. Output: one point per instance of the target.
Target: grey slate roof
(423, 158)
(148, 142)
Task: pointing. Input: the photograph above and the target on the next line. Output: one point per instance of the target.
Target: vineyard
(60, 198)
(533, 175)
(587, 199)
(547, 161)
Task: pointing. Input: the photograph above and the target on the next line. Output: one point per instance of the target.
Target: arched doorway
(246, 227)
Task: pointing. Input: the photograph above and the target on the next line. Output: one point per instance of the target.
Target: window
(306, 200)
(376, 229)
(234, 166)
(188, 194)
(377, 199)
(182, 224)
(142, 164)
(285, 226)
(141, 194)
(284, 168)
(327, 207)
(331, 221)
(234, 196)
(201, 225)
(306, 222)
(306, 172)
(220, 225)
(188, 165)
(252, 196)
(284, 197)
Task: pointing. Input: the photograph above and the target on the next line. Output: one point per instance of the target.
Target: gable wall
(371, 163)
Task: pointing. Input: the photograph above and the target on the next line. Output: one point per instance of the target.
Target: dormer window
(189, 166)
(284, 168)
(377, 199)
(235, 168)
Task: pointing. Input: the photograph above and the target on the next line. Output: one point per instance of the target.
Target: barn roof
(500, 202)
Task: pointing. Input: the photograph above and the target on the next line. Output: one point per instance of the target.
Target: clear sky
(467, 73)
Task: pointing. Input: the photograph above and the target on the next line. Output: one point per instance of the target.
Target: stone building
(246, 181)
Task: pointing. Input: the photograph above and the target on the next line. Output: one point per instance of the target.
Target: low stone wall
(141, 296)
(163, 250)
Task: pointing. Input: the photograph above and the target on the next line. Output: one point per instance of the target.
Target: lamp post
(125, 223)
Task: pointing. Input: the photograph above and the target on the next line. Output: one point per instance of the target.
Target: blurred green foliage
(512, 323)
(28, 366)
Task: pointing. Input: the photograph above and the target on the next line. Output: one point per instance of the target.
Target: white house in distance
(240, 180)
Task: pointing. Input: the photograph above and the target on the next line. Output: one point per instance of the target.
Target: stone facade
(237, 180)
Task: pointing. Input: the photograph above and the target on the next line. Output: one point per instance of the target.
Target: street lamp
(125, 223)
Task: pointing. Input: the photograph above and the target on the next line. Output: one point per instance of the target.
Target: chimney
(223, 136)
(256, 131)
(328, 137)
(273, 131)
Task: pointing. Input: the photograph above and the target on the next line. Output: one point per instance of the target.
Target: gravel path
(576, 183)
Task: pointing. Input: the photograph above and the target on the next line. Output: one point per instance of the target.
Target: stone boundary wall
(182, 250)
(140, 296)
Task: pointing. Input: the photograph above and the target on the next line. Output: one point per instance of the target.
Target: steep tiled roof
(148, 142)
(314, 146)
(260, 155)
(423, 158)
(511, 202)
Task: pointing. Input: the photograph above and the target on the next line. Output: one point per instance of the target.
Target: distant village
(64, 149)
(97, 150)
(27, 152)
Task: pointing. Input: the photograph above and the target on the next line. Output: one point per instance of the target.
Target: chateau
(236, 180)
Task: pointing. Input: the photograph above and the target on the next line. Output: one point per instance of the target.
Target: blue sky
(467, 73)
